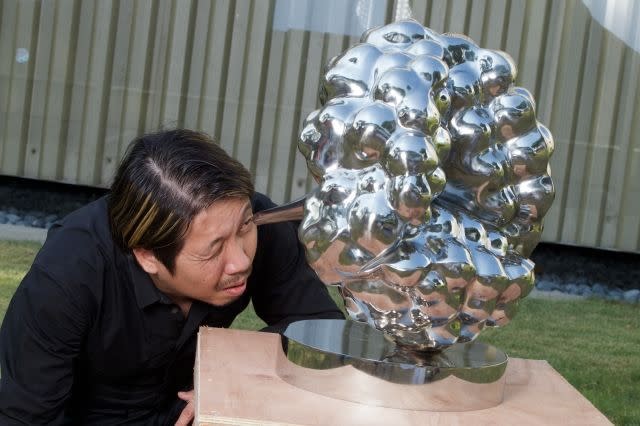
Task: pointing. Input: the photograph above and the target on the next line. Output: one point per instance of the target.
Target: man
(102, 330)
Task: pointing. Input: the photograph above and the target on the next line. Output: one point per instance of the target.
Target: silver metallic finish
(433, 178)
(290, 211)
(349, 360)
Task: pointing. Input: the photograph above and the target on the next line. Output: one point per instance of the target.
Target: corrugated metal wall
(100, 72)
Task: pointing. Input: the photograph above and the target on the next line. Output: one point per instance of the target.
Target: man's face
(215, 261)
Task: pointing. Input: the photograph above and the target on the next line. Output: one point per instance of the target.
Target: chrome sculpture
(433, 178)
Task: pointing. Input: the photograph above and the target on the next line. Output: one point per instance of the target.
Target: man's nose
(237, 259)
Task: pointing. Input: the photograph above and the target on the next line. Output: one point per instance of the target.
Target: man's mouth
(236, 288)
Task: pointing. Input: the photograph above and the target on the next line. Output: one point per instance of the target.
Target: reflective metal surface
(352, 361)
(433, 180)
(290, 211)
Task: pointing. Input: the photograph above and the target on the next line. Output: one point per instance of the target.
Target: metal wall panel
(100, 72)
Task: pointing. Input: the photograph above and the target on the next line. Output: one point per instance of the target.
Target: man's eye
(247, 225)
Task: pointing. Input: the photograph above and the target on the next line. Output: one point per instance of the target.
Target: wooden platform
(236, 383)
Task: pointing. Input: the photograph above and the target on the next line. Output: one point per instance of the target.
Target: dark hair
(164, 180)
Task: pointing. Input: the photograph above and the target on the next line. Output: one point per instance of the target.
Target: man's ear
(147, 260)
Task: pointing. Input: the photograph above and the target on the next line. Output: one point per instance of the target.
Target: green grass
(15, 259)
(594, 344)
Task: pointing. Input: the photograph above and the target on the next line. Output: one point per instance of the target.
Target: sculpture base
(351, 361)
(236, 383)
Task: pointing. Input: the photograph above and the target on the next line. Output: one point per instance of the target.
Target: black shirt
(89, 339)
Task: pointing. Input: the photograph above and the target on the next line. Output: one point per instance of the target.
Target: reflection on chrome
(351, 361)
(433, 177)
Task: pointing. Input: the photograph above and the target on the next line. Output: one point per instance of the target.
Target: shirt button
(175, 310)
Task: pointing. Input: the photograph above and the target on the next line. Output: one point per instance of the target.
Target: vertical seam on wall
(524, 36)
(262, 87)
(83, 126)
(126, 89)
(167, 68)
(148, 63)
(106, 95)
(447, 15)
(186, 68)
(47, 94)
(296, 117)
(66, 101)
(541, 55)
(613, 139)
(634, 130)
(467, 17)
(241, 104)
(574, 127)
(276, 126)
(10, 89)
(592, 127)
(231, 17)
(203, 96)
(486, 17)
(505, 26)
(33, 49)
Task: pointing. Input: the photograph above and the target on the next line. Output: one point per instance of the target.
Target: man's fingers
(186, 396)
(187, 414)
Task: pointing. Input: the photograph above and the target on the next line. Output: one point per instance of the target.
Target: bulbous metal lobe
(325, 212)
(495, 206)
(406, 263)
(471, 132)
(443, 223)
(497, 73)
(404, 89)
(498, 244)
(371, 179)
(503, 313)
(428, 48)
(469, 331)
(535, 197)
(321, 139)
(365, 140)
(458, 49)
(513, 114)
(464, 86)
(528, 154)
(349, 74)
(548, 139)
(410, 196)
(326, 263)
(387, 62)
(398, 35)
(521, 273)
(435, 300)
(384, 305)
(338, 190)
(523, 237)
(431, 69)
(410, 153)
(373, 223)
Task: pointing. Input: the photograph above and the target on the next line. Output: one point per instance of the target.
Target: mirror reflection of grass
(594, 344)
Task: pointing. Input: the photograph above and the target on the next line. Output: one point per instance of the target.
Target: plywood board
(236, 383)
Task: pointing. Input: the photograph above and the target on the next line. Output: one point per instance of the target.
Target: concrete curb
(22, 233)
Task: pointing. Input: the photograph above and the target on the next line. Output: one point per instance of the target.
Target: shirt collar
(145, 290)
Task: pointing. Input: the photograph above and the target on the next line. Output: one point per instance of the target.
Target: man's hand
(186, 417)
